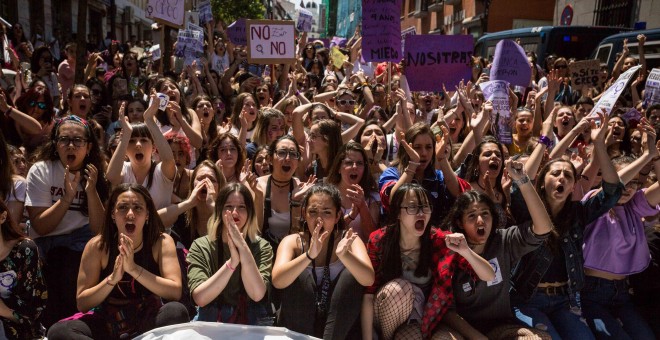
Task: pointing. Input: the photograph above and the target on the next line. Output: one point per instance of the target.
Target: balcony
(435, 5)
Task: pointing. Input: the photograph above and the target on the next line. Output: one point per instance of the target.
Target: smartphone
(486, 71)
(436, 131)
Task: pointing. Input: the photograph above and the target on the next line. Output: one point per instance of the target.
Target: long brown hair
(191, 215)
(9, 228)
(564, 219)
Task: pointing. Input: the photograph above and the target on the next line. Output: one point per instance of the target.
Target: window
(616, 13)
(603, 53)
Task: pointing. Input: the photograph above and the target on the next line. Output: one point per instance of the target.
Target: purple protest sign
(432, 60)
(510, 64)
(497, 92)
(236, 32)
(381, 30)
(338, 41)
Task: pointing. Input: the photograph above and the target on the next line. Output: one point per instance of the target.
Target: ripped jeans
(553, 314)
(610, 311)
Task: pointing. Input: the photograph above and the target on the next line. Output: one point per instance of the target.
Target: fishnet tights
(393, 304)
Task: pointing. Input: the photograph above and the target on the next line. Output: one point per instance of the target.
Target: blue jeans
(554, 314)
(610, 311)
(75, 241)
(257, 313)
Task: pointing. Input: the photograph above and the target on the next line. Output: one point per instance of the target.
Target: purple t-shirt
(615, 242)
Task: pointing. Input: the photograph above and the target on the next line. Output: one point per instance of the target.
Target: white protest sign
(205, 14)
(405, 33)
(270, 41)
(189, 46)
(304, 20)
(609, 98)
(170, 11)
(192, 17)
(652, 89)
(191, 26)
(497, 91)
(155, 52)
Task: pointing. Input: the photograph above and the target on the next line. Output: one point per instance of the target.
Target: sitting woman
(229, 268)
(319, 297)
(125, 272)
(23, 289)
(414, 263)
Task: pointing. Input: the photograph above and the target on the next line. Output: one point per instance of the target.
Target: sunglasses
(346, 102)
(41, 105)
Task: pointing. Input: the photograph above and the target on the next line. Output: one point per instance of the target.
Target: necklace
(278, 183)
(497, 194)
(138, 246)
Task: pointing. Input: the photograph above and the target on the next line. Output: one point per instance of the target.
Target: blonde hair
(215, 224)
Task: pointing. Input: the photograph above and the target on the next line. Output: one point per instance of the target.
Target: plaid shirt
(444, 260)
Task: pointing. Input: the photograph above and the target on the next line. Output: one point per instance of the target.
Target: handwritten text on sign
(510, 64)
(270, 41)
(432, 60)
(584, 73)
(381, 30)
(171, 11)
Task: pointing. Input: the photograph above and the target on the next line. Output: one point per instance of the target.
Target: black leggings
(171, 313)
(61, 273)
(298, 309)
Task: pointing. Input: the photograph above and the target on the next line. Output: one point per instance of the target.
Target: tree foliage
(229, 11)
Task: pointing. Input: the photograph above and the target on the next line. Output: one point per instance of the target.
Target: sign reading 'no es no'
(270, 41)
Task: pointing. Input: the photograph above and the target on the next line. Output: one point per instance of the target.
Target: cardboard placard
(432, 60)
(381, 30)
(337, 57)
(510, 64)
(270, 41)
(168, 11)
(237, 33)
(584, 73)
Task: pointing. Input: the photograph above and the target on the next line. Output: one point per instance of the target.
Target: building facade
(638, 14)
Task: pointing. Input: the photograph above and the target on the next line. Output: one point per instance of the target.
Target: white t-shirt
(45, 186)
(220, 64)
(161, 187)
(18, 192)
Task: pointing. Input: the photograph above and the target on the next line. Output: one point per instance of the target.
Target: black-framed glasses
(66, 141)
(416, 209)
(41, 105)
(346, 102)
(281, 154)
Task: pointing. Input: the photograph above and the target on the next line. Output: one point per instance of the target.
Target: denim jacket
(532, 267)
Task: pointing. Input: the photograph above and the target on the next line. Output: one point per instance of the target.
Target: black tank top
(128, 288)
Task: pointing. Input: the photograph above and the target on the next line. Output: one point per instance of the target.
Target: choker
(278, 183)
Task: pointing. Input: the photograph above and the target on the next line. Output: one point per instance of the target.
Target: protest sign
(205, 15)
(381, 30)
(191, 26)
(584, 73)
(192, 18)
(404, 34)
(189, 46)
(497, 91)
(432, 60)
(237, 33)
(169, 11)
(338, 41)
(510, 64)
(610, 96)
(304, 20)
(270, 41)
(337, 57)
(155, 52)
(652, 89)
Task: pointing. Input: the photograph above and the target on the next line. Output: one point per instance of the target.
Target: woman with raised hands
(229, 268)
(321, 269)
(547, 281)
(177, 117)
(484, 305)
(125, 274)
(138, 142)
(414, 263)
(228, 154)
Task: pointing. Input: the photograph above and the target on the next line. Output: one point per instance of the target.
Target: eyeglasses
(281, 154)
(349, 163)
(346, 102)
(560, 66)
(41, 105)
(66, 141)
(414, 209)
(633, 184)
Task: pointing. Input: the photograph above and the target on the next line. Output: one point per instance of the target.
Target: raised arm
(541, 222)
(113, 173)
(607, 169)
(641, 40)
(534, 162)
(353, 254)
(482, 268)
(355, 122)
(27, 123)
(164, 151)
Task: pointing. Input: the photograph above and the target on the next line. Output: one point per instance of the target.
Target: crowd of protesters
(327, 199)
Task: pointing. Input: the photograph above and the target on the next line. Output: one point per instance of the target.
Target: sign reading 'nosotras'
(270, 41)
(433, 60)
(381, 30)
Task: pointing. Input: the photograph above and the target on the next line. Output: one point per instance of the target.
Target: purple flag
(511, 64)
(432, 60)
(381, 30)
(236, 32)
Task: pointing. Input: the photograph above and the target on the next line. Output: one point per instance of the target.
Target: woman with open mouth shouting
(244, 117)
(416, 161)
(79, 101)
(228, 154)
(360, 201)
(229, 269)
(125, 273)
(484, 305)
(321, 270)
(547, 281)
(414, 263)
(66, 189)
(205, 111)
(138, 142)
(270, 126)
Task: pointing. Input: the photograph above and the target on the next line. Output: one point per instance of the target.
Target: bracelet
(520, 182)
(546, 141)
(351, 217)
(414, 163)
(229, 266)
(409, 172)
(309, 257)
(107, 281)
(141, 271)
